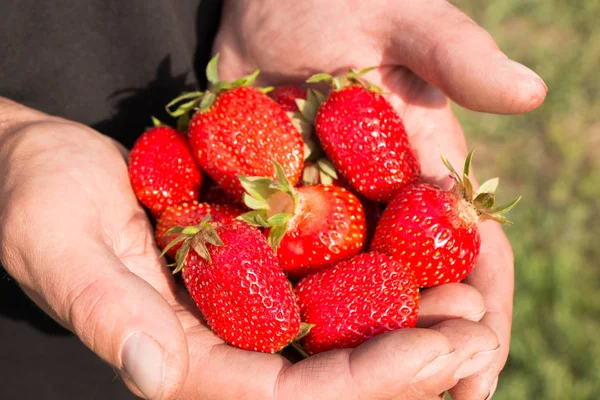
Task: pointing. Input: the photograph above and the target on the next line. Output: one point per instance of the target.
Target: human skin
(77, 241)
(427, 53)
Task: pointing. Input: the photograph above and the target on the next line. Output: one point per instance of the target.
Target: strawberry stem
(270, 203)
(483, 200)
(195, 238)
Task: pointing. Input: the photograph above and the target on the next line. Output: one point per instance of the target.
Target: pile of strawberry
(270, 204)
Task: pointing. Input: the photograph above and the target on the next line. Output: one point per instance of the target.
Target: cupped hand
(427, 52)
(76, 240)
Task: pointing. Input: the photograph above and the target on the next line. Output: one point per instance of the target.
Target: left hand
(427, 52)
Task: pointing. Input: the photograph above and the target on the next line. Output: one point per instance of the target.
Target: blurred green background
(552, 157)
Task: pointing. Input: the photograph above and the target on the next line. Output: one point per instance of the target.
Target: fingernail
(475, 317)
(143, 360)
(476, 363)
(434, 367)
(525, 71)
(515, 66)
(492, 389)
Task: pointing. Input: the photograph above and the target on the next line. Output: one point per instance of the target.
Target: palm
(304, 38)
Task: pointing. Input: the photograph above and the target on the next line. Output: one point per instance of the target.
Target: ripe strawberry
(365, 138)
(323, 172)
(238, 130)
(233, 276)
(355, 300)
(162, 170)
(311, 227)
(189, 214)
(286, 97)
(434, 232)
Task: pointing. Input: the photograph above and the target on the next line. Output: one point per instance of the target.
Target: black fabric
(109, 64)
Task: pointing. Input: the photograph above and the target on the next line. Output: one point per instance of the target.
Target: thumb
(118, 315)
(450, 51)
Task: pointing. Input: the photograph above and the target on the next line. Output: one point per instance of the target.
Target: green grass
(552, 157)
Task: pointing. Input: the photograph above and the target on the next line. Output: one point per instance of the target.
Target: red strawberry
(365, 138)
(238, 130)
(189, 214)
(311, 227)
(323, 172)
(286, 97)
(162, 170)
(233, 276)
(355, 300)
(434, 232)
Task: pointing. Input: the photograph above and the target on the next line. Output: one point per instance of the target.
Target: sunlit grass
(552, 157)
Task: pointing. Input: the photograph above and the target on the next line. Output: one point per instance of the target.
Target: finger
(116, 314)
(383, 367)
(449, 50)
(451, 301)
(493, 276)
(476, 346)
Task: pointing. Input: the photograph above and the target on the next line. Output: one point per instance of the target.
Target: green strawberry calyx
(195, 238)
(303, 122)
(480, 202)
(273, 203)
(321, 171)
(184, 105)
(351, 78)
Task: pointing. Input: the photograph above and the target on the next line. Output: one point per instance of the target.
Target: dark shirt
(109, 64)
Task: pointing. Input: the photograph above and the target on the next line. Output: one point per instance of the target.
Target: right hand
(76, 240)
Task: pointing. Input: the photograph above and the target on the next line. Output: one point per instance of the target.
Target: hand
(76, 240)
(427, 52)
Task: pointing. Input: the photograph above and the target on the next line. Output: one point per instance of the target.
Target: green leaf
(283, 180)
(310, 175)
(212, 70)
(468, 185)
(338, 82)
(489, 186)
(279, 219)
(467, 167)
(308, 108)
(322, 77)
(304, 329)
(246, 80)
(254, 203)
(499, 218)
(276, 235)
(365, 71)
(257, 187)
(156, 122)
(209, 235)
(183, 108)
(327, 167)
(449, 166)
(374, 88)
(483, 201)
(181, 256)
(503, 209)
(266, 90)
(183, 122)
(318, 95)
(190, 230)
(256, 218)
(173, 243)
(183, 97)
(325, 179)
(175, 229)
(207, 100)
